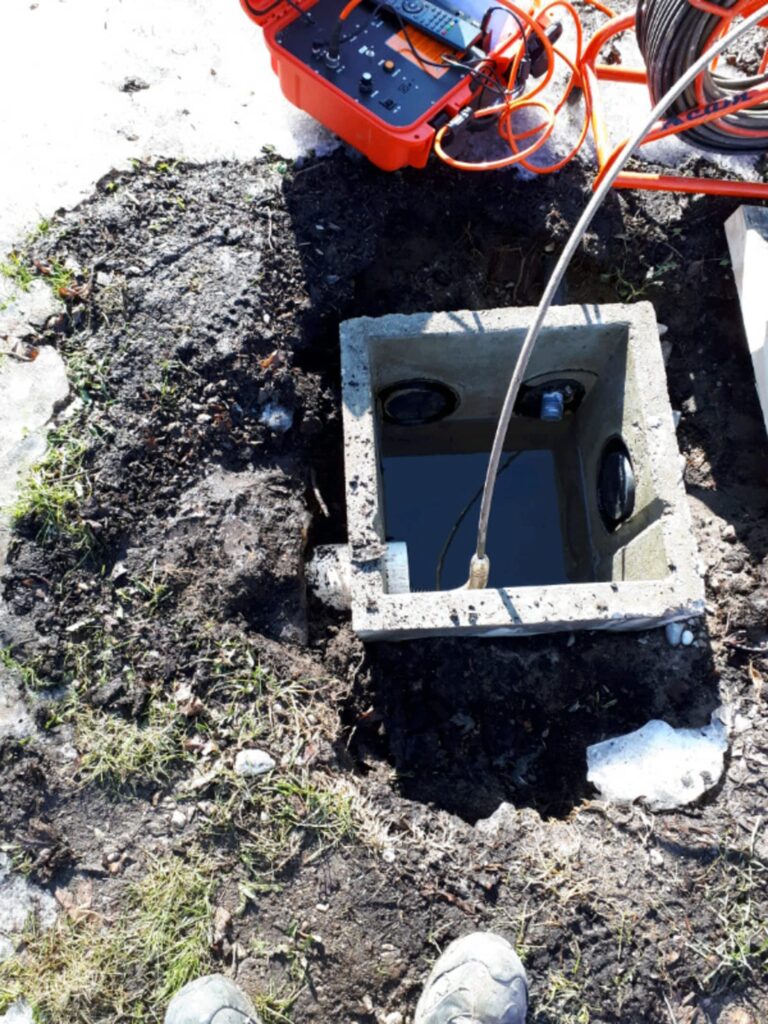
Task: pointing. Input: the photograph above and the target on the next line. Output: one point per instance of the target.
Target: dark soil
(208, 297)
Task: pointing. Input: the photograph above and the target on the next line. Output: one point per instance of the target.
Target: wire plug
(535, 48)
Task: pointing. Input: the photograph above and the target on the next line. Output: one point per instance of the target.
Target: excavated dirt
(201, 331)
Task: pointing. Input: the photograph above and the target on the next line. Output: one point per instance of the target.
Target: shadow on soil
(468, 724)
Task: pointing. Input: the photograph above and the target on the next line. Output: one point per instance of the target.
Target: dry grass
(89, 968)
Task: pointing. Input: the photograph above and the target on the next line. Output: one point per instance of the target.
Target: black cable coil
(671, 35)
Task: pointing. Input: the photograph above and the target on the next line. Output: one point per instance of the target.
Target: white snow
(64, 121)
(659, 766)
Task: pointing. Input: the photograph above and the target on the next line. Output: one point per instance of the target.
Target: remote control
(435, 21)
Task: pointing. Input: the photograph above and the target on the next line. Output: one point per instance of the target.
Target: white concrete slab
(747, 234)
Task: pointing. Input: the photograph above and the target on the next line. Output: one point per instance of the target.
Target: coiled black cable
(671, 35)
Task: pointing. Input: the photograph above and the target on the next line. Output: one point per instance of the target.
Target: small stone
(687, 638)
(393, 1018)
(201, 1000)
(178, 819)
(736, 1015)
(250, 763)
(728, 533)
(133, 84)
(674, 633)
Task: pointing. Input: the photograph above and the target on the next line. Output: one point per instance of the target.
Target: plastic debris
(659, 766)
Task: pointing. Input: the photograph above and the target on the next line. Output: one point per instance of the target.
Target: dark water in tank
(432, 502)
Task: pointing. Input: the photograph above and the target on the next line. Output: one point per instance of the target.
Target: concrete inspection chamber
(590, 527)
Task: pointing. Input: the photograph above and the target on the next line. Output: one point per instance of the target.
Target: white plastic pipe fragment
(659, 766)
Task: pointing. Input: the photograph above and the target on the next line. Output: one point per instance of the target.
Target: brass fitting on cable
(479, 571)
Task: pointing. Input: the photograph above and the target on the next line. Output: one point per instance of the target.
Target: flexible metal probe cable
(479, 566)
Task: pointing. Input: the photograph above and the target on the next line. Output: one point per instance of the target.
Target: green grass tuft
(16, 269)
(54, 491)
(123, 753)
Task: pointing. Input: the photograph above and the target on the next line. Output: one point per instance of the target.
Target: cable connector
(535, 48)
(459, 120)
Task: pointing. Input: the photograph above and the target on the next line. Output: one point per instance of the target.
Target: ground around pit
(156, 620)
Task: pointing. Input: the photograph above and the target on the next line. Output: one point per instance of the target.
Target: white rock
(178, 819)
(660, 766)
(250, 763)
(686, 638)
(674, 632)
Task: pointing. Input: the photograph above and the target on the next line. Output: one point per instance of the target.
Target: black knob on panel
(366, 82)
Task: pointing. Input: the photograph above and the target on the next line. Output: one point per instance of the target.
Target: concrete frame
(661, 585)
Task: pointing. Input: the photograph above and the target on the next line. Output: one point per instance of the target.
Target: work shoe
(213, 999)
(479, 979)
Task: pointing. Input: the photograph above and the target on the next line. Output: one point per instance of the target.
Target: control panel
(395, 75)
